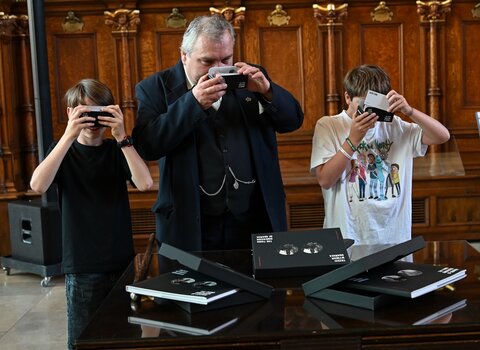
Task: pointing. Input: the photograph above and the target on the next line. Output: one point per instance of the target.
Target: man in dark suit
(220, 178)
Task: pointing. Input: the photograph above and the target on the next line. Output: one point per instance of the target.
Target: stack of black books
(381, 278)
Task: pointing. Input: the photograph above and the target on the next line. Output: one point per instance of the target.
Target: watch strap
(127, 141)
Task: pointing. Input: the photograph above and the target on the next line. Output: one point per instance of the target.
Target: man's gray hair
(211, 26)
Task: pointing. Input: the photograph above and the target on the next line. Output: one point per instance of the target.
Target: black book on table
(298, 253)
(405, 279)
(355, 297)
(427, 309)
(239, 298)
(363, 264)
(185, 285)
(216, 270)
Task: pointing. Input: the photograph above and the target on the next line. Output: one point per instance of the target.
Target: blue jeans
(85, 292)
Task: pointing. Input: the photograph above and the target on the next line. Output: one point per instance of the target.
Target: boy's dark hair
(95, 91)
(366, 77)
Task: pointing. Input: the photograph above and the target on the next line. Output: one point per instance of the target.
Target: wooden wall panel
(264, 44)
(296, 56)
(458, 210)
(281, 50)
(382, 44)
(470, 74)
(79, 48)
(167, 46)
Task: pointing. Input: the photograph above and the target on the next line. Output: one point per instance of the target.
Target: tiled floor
(34, 317)
(31, 316)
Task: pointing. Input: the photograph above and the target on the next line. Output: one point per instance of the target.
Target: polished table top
(288, 317)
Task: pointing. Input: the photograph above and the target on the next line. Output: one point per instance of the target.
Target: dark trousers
(85, 292)
(226, 231)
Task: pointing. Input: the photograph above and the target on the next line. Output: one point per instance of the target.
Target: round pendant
(235, 185)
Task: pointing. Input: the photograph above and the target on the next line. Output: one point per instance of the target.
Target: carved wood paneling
(306, 216)
(79, 48)
(385, 53)
(11, 177)
(435, 67)
(167, 46)
(469, 62)
(126, 59)
(458, 210)
(281, 50)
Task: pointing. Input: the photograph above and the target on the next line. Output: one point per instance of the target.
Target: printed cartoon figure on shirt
(395, 176)
(362, 176)
(372, 170)
(352, 180)
(383, 149)
(381, 167)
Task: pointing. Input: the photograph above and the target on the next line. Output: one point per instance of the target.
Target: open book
(185, 285)
(405, 279)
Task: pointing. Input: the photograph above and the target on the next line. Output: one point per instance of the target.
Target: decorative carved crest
(278, 17)
(381, 13)
(22, 25)
(123, 20)
(433, 11)
(330, 15)
(176, 19)
(72, 23)
(476, 11)
(234, 16)
(7, 24)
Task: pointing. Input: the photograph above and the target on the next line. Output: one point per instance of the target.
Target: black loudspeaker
(35, 232)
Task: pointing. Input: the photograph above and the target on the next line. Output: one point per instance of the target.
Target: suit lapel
(176, 83)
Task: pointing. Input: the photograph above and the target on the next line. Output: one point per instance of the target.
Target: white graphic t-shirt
(371, 202)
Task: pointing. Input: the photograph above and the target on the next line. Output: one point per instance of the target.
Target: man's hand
(209, 90)
(257, 82)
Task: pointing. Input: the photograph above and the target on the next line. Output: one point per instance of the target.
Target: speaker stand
(46, 271)
(36, 239)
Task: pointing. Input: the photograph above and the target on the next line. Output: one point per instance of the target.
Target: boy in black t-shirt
(91, 173)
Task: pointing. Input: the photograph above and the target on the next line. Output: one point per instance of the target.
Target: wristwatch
(127, 141)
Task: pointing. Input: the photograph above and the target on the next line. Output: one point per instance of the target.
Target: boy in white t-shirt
(383, 152)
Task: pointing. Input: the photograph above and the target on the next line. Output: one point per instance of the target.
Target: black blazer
(167, 116)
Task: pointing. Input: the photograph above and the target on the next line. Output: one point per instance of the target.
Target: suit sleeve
(163, 120)
(284, 110)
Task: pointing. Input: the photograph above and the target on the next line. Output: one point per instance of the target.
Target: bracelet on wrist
(350, 143)
(345, 153)
(127, 141)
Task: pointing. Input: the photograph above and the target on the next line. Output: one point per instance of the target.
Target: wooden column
(26, 101)
(432, 14)
(329, 18)
(124, 28)
(17, 138)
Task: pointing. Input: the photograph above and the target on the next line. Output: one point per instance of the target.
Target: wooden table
(288, 321)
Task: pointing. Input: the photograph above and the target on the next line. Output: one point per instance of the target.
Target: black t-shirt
(93, 198)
